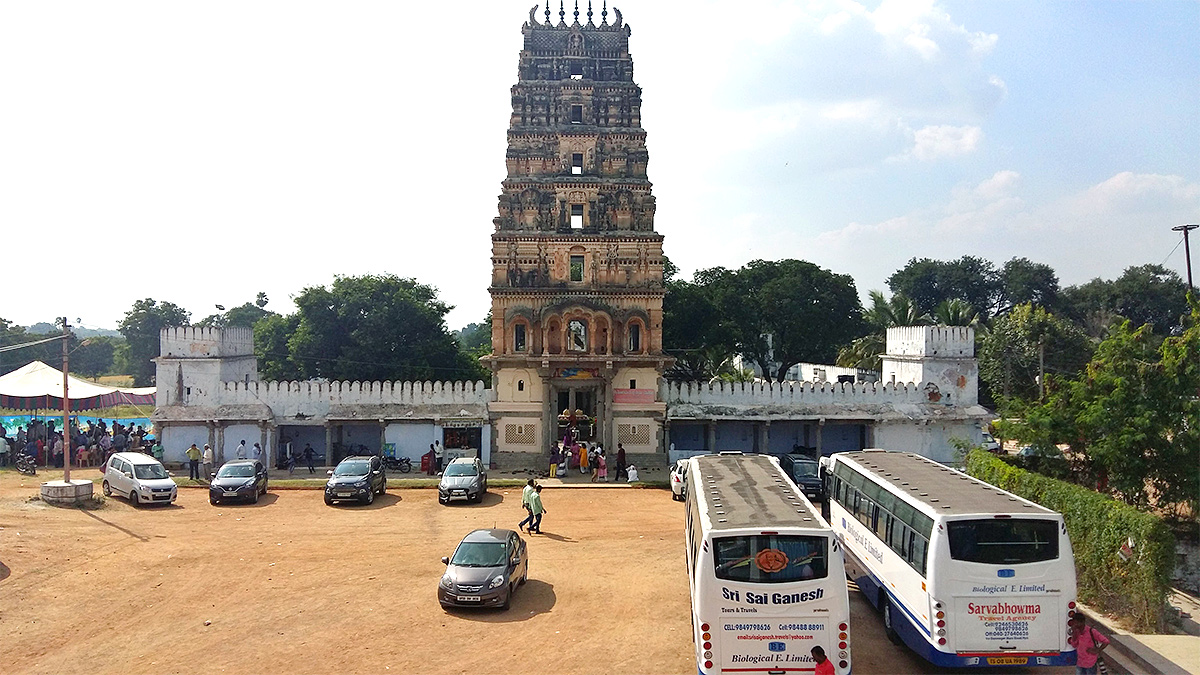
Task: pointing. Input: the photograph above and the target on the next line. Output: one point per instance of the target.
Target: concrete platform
(67, 493)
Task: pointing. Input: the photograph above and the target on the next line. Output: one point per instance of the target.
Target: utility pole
(66, 405)
(1187, 251)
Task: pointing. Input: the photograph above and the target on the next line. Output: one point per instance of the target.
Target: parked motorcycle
(401, 464)
(26, 464)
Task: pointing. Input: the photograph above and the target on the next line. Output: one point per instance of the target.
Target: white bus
(964, 573)
(764, 568)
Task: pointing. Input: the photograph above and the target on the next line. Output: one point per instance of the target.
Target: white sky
(201, 152)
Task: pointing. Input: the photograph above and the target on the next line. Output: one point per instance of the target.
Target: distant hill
(44, 328)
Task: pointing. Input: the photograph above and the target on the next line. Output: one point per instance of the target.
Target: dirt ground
(291, 585)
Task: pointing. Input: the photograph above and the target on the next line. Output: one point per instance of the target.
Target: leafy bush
(1135, 590)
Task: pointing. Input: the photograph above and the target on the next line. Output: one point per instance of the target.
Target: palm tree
(955, 312)
(865, 352)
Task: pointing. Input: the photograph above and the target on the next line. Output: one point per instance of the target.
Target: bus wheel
(889, 628)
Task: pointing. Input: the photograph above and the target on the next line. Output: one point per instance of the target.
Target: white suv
(139, 477)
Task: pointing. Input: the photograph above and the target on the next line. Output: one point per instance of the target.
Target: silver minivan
(140, 478)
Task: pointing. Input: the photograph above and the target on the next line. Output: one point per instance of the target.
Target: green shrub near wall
(1135, 590)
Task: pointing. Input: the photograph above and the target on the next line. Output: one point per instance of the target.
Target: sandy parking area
(293, 586)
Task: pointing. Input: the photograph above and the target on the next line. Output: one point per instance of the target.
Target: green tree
(785, 312)
(374, 327)
(1132, 415)
(245, 315)
(141, 327)
(271, 347)
(693, 332)
(94, 356)
(955, 313)
(930, 282)
(1023, 342)
(1146, 294)
(1022, 281)
(866, 352)
(475, 339)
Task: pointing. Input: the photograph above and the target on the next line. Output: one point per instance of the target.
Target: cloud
(935, 142)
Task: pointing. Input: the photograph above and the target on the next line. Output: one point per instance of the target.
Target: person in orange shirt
(824, 665)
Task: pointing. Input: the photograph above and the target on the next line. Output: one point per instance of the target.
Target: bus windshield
(771, 559)
(1003, 541)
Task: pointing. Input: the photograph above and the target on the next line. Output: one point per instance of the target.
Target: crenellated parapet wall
(794, 393)
(307, 394)
(184, 342)
(936, 341)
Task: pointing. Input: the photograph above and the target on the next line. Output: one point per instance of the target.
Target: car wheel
(254, 499)
(383, 487)
(507, 599)
(889, 628)
(106, 489)
(133, 497)
(370, 496)
(328, 501)
(525, 576)
(214, 502)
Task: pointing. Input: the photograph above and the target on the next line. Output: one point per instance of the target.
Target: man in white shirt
(241, 450)
(207, 458)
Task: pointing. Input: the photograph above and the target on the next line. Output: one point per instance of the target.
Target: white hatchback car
(140, 478)
(679, 480)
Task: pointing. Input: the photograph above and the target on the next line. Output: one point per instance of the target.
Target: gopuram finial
(548, 11)
(576, 11)
(562, 13)
(589, 11)
(604, 13)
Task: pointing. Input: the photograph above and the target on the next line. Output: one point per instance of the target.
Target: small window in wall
(577, 164)
(577, 220)
(520, 385)
(635, 337)
(576, 268)
(576, 114)
(519, 337)
(633, 384)
(576, 71)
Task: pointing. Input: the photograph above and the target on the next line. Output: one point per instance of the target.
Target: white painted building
(209, 392)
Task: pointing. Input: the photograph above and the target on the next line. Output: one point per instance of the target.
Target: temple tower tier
(577, 267)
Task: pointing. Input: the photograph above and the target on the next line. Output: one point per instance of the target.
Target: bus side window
(918, 558)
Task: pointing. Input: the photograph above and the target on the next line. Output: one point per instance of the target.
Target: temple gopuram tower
(577, 268)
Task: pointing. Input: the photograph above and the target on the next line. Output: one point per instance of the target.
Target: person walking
(601, 466)
(241, 450)
(193, 455)
(257, 452)
(1087, 643)
(583, 458)
(439, 454)
(536, 509)
(290, 463)
(526, 492)
(309, 454)
(824, 665)
(554, 457)
(156, 450)
(595, 463)
(207, 459)
(621, 471)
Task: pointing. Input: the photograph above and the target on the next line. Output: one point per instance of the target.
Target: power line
(23, 345)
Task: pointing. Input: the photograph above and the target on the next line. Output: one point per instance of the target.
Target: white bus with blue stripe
(765, 571)
(963, 572)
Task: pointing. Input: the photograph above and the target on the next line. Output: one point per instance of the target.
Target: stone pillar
(666, 446)
(710, 443)
(263, 433)
(220, 448)
(820, 430)
(212, 434)
(549, 414)
(382, 435)
(606, 435)
(764, 437)
(571, 399)
(329, 444)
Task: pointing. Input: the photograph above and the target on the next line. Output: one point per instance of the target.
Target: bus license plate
(1007, 660)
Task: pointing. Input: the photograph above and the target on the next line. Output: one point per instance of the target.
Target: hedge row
(1135, 590)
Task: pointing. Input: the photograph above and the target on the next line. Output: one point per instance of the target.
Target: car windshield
(236, 471)
(461, 470)
(149, 471)
(771, 558)
(352, 469)
(479, 554)
(1003, 541)
(804, 469)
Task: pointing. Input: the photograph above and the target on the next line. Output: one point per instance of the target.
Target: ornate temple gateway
(577, 274)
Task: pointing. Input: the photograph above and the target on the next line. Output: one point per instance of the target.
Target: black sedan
(485, 569)
(243, 479)
(358, 478)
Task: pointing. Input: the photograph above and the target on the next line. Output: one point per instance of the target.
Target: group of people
(531, 501)
(289, 455)
(91, 446)
(584, 456)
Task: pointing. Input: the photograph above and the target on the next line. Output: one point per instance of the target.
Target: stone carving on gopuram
(577, 267)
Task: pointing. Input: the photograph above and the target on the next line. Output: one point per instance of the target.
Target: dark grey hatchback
(238, 479)
(485, 569)
(358, 478)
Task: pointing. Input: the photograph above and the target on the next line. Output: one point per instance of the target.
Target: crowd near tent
(37, 386)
